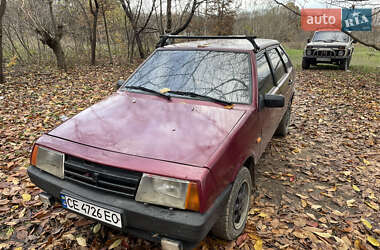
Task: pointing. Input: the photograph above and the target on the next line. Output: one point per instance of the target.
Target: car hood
(152, 127)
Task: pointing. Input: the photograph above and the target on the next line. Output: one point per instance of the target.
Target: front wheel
(234, 217)
(305, 63)
(344, 64)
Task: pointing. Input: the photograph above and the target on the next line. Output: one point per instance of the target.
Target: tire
(305, 63)
(344, 64)
(230, 224)
(283, 127)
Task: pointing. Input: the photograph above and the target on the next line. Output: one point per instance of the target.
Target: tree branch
(283, 5)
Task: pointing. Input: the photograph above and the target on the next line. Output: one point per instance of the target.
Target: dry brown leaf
(356, 188)
(304, 197)
(372, 205)
(312, 216)
(26, 197)
(337, 213)
(96, 228)
(81, 241)
(324, 235)
(350, 203)
(316, 207)
(258, 244)
(366, 223)
(4, 202)
(300, 222)
(300, 234)
(303, 203)
(115, 244)
(373, 241)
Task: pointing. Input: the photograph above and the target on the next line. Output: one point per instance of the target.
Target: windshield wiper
(319, 41)
(148, 90)
(192, 94)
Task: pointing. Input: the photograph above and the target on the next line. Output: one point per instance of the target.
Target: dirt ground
(318, 188)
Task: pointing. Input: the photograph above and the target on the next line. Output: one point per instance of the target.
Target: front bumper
(146, 221)
(332, 57)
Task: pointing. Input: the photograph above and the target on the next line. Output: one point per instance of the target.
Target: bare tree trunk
(107, 35)
(168, 16)
(94, 13)
(88, 23)
(8, 34)
(3, 4)
(133, 19)
(23, 44)
(54, 42)
(181, 28)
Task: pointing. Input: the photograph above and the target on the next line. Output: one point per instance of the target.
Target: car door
(288, 84)
(283, 80)
(265, 86)
(275, 78)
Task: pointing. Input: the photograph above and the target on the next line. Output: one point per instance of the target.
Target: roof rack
(163, 39)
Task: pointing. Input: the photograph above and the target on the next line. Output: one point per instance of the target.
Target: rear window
(284, 57)
(264, 75)
(278, 65)
(218, 74)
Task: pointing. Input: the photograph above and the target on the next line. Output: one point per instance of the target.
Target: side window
(284, 57)
(264, 75)
(278, 65)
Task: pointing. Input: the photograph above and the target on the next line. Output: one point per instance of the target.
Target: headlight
(48, 160)
(308, 52)
(168, 192)
(341, 53)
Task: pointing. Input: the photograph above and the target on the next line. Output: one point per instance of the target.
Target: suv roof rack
(163, 39)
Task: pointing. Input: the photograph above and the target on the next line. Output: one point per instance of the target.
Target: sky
(254, 4)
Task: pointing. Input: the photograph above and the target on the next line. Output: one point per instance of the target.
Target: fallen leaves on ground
(306, 196)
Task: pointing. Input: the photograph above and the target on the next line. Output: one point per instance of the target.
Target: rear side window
(264, 75)
(284, 57)
(278, 66)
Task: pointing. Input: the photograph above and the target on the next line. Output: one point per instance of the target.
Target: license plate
(323, 59)
(98, 213)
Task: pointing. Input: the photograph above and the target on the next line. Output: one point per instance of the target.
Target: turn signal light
(192, 197)
(33, 158)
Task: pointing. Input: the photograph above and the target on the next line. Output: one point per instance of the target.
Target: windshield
(220, 75)
(330, 36)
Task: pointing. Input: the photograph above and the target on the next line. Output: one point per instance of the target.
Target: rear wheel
(283, 127)
(305, 63)
(232, 222)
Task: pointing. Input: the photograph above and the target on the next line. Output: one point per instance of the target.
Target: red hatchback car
(172, 154)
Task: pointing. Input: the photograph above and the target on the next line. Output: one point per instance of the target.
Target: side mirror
(354, 41)
(274, 101)
(308, 40)
(119, 83)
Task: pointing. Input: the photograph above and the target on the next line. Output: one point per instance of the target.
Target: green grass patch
(364, 59)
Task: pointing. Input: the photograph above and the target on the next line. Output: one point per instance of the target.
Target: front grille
(109, 179)
(324, 53)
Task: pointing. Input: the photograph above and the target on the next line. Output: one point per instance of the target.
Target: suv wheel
(234, 217)
(344, 64)
(283, 127)
(305, 63)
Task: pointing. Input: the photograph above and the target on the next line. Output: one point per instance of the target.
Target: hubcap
(241, 206)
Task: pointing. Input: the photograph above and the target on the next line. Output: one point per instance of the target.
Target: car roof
(238, 44)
